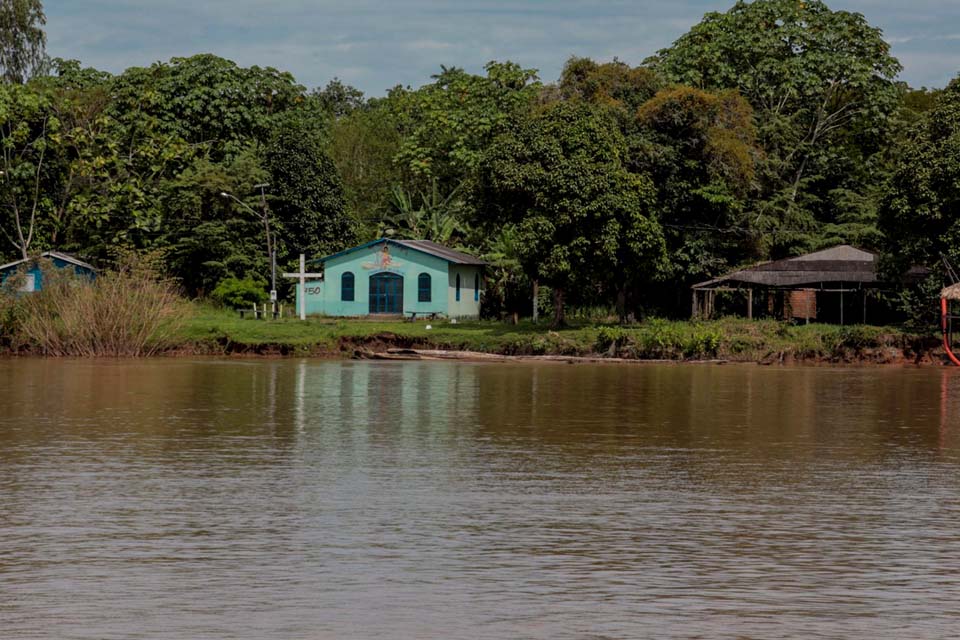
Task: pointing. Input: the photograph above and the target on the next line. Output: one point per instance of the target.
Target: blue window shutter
(346, 287)
(424, 293)
(476, 287)
(458, 287)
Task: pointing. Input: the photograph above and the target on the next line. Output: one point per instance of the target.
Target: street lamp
(271, 240)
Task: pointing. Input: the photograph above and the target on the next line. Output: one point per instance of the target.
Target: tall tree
(22, 39)
(27, 131)
(920, 212)
(581, 218)
(700, 150)
(445, 125)
(207, 236)
(339, 99)
(363, 145)
(822, 86)
(206, 101)
(308, 199)
(613, 83)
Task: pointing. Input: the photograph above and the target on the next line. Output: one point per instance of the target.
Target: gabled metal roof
(842, 263)
(423, 246)
(65, 257)
(440, 251)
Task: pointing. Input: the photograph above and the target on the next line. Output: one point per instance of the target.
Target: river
(192, 499)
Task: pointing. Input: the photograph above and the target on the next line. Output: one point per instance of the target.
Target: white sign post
(302, 286)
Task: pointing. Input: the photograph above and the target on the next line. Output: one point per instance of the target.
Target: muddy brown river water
(312, 499)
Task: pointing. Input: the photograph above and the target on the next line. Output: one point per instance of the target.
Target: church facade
(388, 277)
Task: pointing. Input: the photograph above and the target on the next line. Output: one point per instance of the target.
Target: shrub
(702, 342)
(129, 311)
(240, 294)
(610, 339)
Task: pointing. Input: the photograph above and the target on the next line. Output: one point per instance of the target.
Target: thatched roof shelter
(842, 263)
(952, 292)
(800, 286)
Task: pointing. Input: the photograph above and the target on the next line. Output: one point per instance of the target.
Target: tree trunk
(558, 317)
(622, 303)
(536, 290)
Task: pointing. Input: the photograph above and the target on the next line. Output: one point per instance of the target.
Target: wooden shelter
(831, 285)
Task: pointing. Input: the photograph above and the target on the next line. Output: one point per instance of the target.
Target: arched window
(476, 287)
(458, 287)
(423, 288)
(346, 286)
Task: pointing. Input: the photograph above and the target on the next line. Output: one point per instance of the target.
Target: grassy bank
(212, 331)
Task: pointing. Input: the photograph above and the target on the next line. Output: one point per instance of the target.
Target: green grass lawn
(211, 330)
(209, 324)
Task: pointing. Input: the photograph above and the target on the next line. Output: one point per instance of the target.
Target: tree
(22, 40)
(339, 99)
(699, 148)
(581, 219)
(438, 218)
(307, 193)
(206, 101)
(920, 211)
(821, 83)
(614, 83)
(446, 125)
(208, 237)
(27, 127)
(363, 145)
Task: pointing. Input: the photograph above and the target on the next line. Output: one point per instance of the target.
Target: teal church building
(395, 277)
(32, 273)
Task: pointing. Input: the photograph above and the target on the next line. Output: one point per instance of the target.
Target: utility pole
(264, 216)
(271, 247)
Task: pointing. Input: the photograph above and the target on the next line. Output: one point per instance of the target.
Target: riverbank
(215, 332)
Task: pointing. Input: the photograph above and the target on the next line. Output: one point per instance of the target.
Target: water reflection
(317, 499)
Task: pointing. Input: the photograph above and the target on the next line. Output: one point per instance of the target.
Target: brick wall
(801, 303)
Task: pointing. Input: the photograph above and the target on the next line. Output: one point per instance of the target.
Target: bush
(240, 294)
(129, 311)
(610, 339)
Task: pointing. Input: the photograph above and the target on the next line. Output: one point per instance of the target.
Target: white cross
(303, 275)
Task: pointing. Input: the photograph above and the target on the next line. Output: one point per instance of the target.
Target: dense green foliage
(22, 40)
(821, 83)
(239, 294)
(773, 128)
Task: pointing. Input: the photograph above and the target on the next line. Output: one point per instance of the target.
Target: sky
(377, 44)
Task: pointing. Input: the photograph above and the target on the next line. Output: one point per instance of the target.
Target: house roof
(951, 293)
(423, 246)
(842, 263)
(53, 255)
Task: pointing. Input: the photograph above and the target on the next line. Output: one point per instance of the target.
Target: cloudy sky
(376, 44)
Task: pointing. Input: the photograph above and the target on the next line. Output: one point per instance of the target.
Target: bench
(430, 315)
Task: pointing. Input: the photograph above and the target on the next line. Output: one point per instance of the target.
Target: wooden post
(536, 289)
(749, 304)
(693, 305)
(302, 298)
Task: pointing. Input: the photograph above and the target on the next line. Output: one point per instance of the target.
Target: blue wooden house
(395, 277)
(33, 274)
